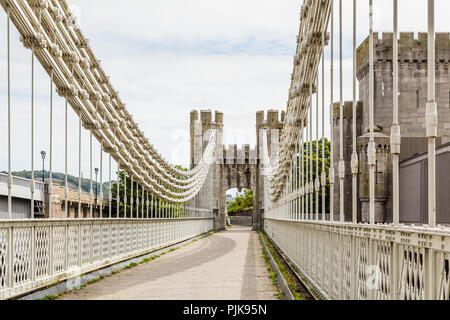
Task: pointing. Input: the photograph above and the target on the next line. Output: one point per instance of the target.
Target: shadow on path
(207, 250)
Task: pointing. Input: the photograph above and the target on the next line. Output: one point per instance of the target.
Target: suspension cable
(323, 175)
(50, 184)
(79, 165)
(432, 116)
(9, 116)
(371, 152)
(341, 123)
(32, 183)
(395, 131)
(331, 171)
(66, 190)
(317, 185)
(354, 162)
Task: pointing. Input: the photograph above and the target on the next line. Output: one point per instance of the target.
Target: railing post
(10, 257)
(371, 252)
(353, 268)
(91, 245)
(395, 259)
(118, 223)
(430, 274)
(110, 239)
(101, 240)
(50, 258)
(340, 269)
(79, 244)
(66, 246)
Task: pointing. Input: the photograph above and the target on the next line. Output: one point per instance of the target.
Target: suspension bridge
(378, 229)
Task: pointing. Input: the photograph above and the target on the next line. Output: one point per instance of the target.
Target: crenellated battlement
(274, 119)
(234, 155)
(347, 111)
(206, 118)
(412, 51)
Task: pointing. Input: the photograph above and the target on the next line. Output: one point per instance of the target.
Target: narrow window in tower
(417, 99)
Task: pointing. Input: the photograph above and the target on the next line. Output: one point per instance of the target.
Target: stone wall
(271, 125)
(412, 102)
(241, 221)
(413, 82)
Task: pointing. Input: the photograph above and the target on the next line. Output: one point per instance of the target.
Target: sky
(167, 58)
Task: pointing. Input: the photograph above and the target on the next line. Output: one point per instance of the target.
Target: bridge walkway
(228, 265)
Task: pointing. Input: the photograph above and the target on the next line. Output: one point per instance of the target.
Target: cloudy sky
(168, 57)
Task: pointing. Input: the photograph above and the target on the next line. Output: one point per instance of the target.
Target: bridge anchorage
(359, 213)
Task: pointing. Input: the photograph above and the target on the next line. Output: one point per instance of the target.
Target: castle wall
(234, 167)
(412, 83)
(272, 127)
(348, 149)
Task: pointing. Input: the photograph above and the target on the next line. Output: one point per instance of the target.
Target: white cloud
(169, 57)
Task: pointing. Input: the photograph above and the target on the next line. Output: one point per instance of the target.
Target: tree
(242, 202)
(156, 207)
(327, 168)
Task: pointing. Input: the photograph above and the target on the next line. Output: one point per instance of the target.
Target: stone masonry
(412, 102)
(234, 167)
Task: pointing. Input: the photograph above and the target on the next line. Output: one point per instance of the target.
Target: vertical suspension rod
(371, 152)
(341, 122)
(395, 131)
(354, 162)
(432, 116)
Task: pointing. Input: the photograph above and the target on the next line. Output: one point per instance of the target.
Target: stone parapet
(413, 52)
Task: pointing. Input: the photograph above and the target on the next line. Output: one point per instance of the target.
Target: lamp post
(96, 172)
(43, 154)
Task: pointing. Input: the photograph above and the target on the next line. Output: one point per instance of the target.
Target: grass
(291, 280)
(130, 266)
(272, 274)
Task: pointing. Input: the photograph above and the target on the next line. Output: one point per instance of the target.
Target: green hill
(59, 178)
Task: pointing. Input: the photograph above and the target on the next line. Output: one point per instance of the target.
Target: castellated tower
(412, 103)
(412, 83)
(272, 126)
(234, 167)
(200, 132)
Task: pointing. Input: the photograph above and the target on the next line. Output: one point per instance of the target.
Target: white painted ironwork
(395, 130)
(364, 256)
(342, 260)
(351, 260)
(431, 116)
(38, 253)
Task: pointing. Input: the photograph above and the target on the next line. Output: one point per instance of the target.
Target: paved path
(227, 265)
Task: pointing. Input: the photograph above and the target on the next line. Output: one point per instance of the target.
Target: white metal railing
(367, 262)
(37, 253)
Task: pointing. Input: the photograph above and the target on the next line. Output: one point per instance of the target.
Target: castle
(234, 167)
(239, 167)
(412, 102)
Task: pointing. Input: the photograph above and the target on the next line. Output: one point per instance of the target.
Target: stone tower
(272, 126)
(200, 132)
(234, 167)
(412, 103)
(412, 83)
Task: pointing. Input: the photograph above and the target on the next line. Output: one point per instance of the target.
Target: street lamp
(43, 154)
(96, 172)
